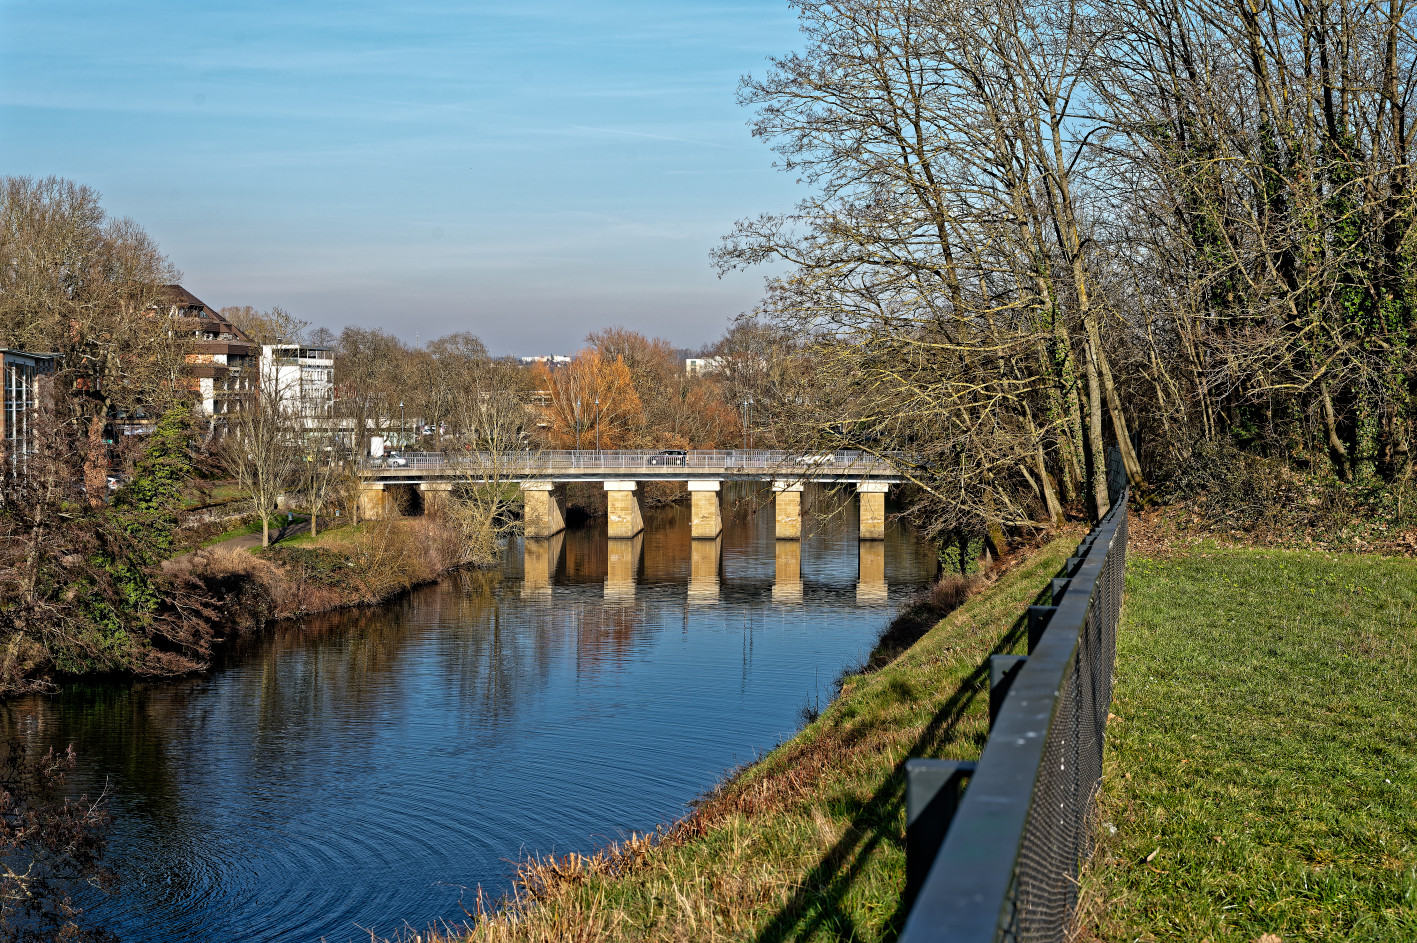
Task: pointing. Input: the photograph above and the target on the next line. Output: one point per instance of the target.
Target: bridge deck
(639, 465)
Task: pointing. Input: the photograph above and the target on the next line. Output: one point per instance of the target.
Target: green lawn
(251, 526)
(1261, 775)
(218, 493)
(338, 526)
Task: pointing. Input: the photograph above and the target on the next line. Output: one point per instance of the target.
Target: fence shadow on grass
(816, 903)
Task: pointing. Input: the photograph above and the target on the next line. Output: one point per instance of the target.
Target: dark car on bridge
(670, 457)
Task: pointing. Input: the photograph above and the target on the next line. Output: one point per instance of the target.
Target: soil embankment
(361, 565)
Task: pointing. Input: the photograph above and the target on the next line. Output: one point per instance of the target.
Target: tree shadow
(816, 904)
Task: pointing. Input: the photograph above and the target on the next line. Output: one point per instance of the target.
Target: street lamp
(597, 427)
(577, 417)
(401, 432)
(747, 404)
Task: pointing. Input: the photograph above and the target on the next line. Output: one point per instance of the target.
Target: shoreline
(749, 853)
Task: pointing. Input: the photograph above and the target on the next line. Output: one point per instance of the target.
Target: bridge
(542, 477)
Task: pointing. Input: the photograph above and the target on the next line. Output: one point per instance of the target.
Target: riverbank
(341, 568)
(1261, 769)
(808, 842)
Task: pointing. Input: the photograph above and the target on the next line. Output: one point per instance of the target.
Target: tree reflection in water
(357, 768)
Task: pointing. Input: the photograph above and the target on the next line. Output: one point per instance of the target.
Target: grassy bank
(808, 843)
(341, 568)
(1261, 776)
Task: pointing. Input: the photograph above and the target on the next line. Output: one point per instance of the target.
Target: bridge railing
(788, 464)
(999, 860)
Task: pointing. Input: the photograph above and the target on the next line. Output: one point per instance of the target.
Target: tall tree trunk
(1338, 452)
(96, 459)
(1114, 406)
(1094, 436)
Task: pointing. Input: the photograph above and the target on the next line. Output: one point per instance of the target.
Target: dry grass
(349, 566)
(808, 843)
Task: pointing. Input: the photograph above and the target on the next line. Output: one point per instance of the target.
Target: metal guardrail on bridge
(1015, 839)
(739, 461)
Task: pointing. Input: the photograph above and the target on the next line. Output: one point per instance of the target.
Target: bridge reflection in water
(436, 722)
(665, 550)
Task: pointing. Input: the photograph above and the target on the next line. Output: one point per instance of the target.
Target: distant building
(698, 366)
(305, 377)
(221, 360)
(21, 374)
(551, 360)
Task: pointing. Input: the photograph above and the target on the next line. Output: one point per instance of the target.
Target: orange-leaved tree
(592, 393)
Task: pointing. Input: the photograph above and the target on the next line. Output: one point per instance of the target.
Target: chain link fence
(1007, 869)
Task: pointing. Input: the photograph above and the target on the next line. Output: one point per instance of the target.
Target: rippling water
(368, 771)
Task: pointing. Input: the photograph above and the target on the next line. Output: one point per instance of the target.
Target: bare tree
(498, 455)
(263, 450)
(86, 286)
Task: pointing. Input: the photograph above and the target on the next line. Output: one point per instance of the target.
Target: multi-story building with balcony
(222, 361)
(21, 378)
(304, 377)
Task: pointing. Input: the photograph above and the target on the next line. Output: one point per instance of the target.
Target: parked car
(670, 457)
(395, 460)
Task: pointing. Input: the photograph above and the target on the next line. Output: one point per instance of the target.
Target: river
(367, 771)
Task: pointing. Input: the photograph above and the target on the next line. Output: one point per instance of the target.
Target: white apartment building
(304, 377)
(698, 366)
(221, 360)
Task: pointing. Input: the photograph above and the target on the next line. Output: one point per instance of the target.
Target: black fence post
(1057, 588)
(1002, 671)
(932, 793)
(1038, 617)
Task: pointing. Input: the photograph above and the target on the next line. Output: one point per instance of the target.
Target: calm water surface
(368, 771)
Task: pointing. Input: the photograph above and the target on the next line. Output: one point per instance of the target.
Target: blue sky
(527, 171)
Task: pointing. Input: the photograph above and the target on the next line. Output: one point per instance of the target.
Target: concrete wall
(871, 497)
(706, 510)
(622, 509)
(787, 507)
(543, 508)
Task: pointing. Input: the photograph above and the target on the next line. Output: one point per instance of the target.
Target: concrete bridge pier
(704, 562)
(787, 508)
(705, 510)
(373, 502)
(871, 572)
(622, 509)
(436, 496)
(622, 568)
(787, 577)
(871, 496)
(543, 508)
(540, 557)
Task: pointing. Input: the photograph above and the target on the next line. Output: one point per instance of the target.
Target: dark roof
(182, 298)
(177, 296)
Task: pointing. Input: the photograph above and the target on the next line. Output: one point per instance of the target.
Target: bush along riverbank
(808, 843)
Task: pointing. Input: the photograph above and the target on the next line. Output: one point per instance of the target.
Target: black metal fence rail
(1015, 839)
